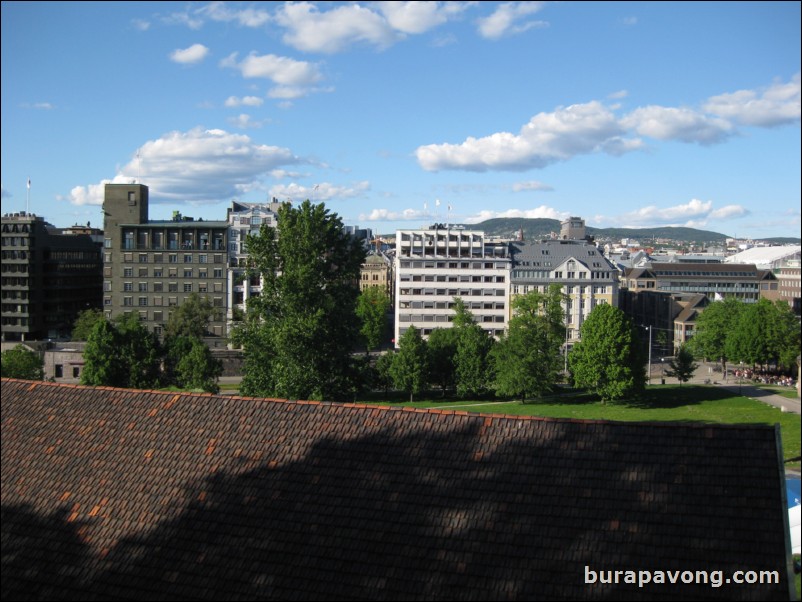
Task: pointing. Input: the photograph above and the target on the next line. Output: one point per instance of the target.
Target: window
(187, 273)
(128, 272)
(187, 287)
(128, 301)
(76, 372)
(187, 258)
(143, 302)
(128, 287)
(59, 371)
(143, 258)
(143, 287)
(172, 287)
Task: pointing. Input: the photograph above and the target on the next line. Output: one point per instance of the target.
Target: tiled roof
(122, 494)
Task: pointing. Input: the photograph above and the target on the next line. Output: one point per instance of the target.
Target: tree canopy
(23, 363)
(191, 318)
(121, 353)
(300, 332)
(409, 365)
(682, 366)
(371, 309)
(84, 324)
(527, 358)
(608, 360)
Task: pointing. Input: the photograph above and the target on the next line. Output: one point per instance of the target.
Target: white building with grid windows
(435, 265)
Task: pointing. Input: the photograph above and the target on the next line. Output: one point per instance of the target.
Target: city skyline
(397, 114)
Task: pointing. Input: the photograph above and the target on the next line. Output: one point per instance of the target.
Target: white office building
(435, 265)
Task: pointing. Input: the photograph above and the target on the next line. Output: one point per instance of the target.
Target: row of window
(454, 265)
(171, 273)
(453, 292)
(14, 241)
(450, 278)
(156, 301)
(446, 318)
(472, 305)
(171, 258)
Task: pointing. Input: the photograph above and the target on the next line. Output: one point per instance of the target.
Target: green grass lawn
(667, 403)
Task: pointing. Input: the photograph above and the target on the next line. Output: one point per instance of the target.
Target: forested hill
(537, 228)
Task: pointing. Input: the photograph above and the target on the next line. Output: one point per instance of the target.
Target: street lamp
(649, 328)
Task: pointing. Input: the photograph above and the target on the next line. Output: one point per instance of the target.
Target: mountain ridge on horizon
(535, 228)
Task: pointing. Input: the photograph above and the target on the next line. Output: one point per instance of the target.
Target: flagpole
(28, 198)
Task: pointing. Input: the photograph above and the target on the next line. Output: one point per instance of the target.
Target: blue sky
(624, 113)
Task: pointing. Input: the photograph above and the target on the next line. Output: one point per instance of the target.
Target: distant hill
(537, 228)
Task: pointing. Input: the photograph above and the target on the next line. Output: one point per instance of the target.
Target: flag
(437, 202)
(29, 183)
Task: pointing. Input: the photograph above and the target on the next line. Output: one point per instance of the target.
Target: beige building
(586, 276)
(377, 270)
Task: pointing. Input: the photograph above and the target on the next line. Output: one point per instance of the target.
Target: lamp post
(649, 328)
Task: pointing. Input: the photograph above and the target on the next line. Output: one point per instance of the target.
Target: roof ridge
(397, 408)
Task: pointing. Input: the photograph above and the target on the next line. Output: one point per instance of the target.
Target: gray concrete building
(151, 267)
(48, 278)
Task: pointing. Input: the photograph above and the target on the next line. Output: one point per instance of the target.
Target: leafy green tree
(84, 324)
(121, 354)
(409, 367)
(371, 309)
(682, 366)
(764, 333)
(103, 365)
(607, 359)
(23, 363)
(191, 318)
(195, 367)
(383, 378)
(473, 371)
(712, 328)
(442, 348)
(527, 358)
(299, 334)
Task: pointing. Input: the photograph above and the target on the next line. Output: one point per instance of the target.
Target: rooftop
(123, 494)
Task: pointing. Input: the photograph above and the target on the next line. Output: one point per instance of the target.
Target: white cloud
(419, 17)
(531, 185)
(594, 127)
(293, 78)
(618, 95)
(692, 214)
(41, 106)
(547, 138)
(244, 121)
(189, 56)
(5, 194)
(323, 191)
(386, 215)
(222, 12)
(248, 101)
(310, 30)
(538, 212)
(508, 19)
(279, 174)
(629, 21)
(279, 69)
(195, 166)
(140, 24)
(669, 123)
(779, 104)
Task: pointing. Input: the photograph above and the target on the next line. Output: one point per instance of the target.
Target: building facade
(151, 267)
(435, 265)
(586, 276)
(47, 278)
(745, 282)
(245, 219)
